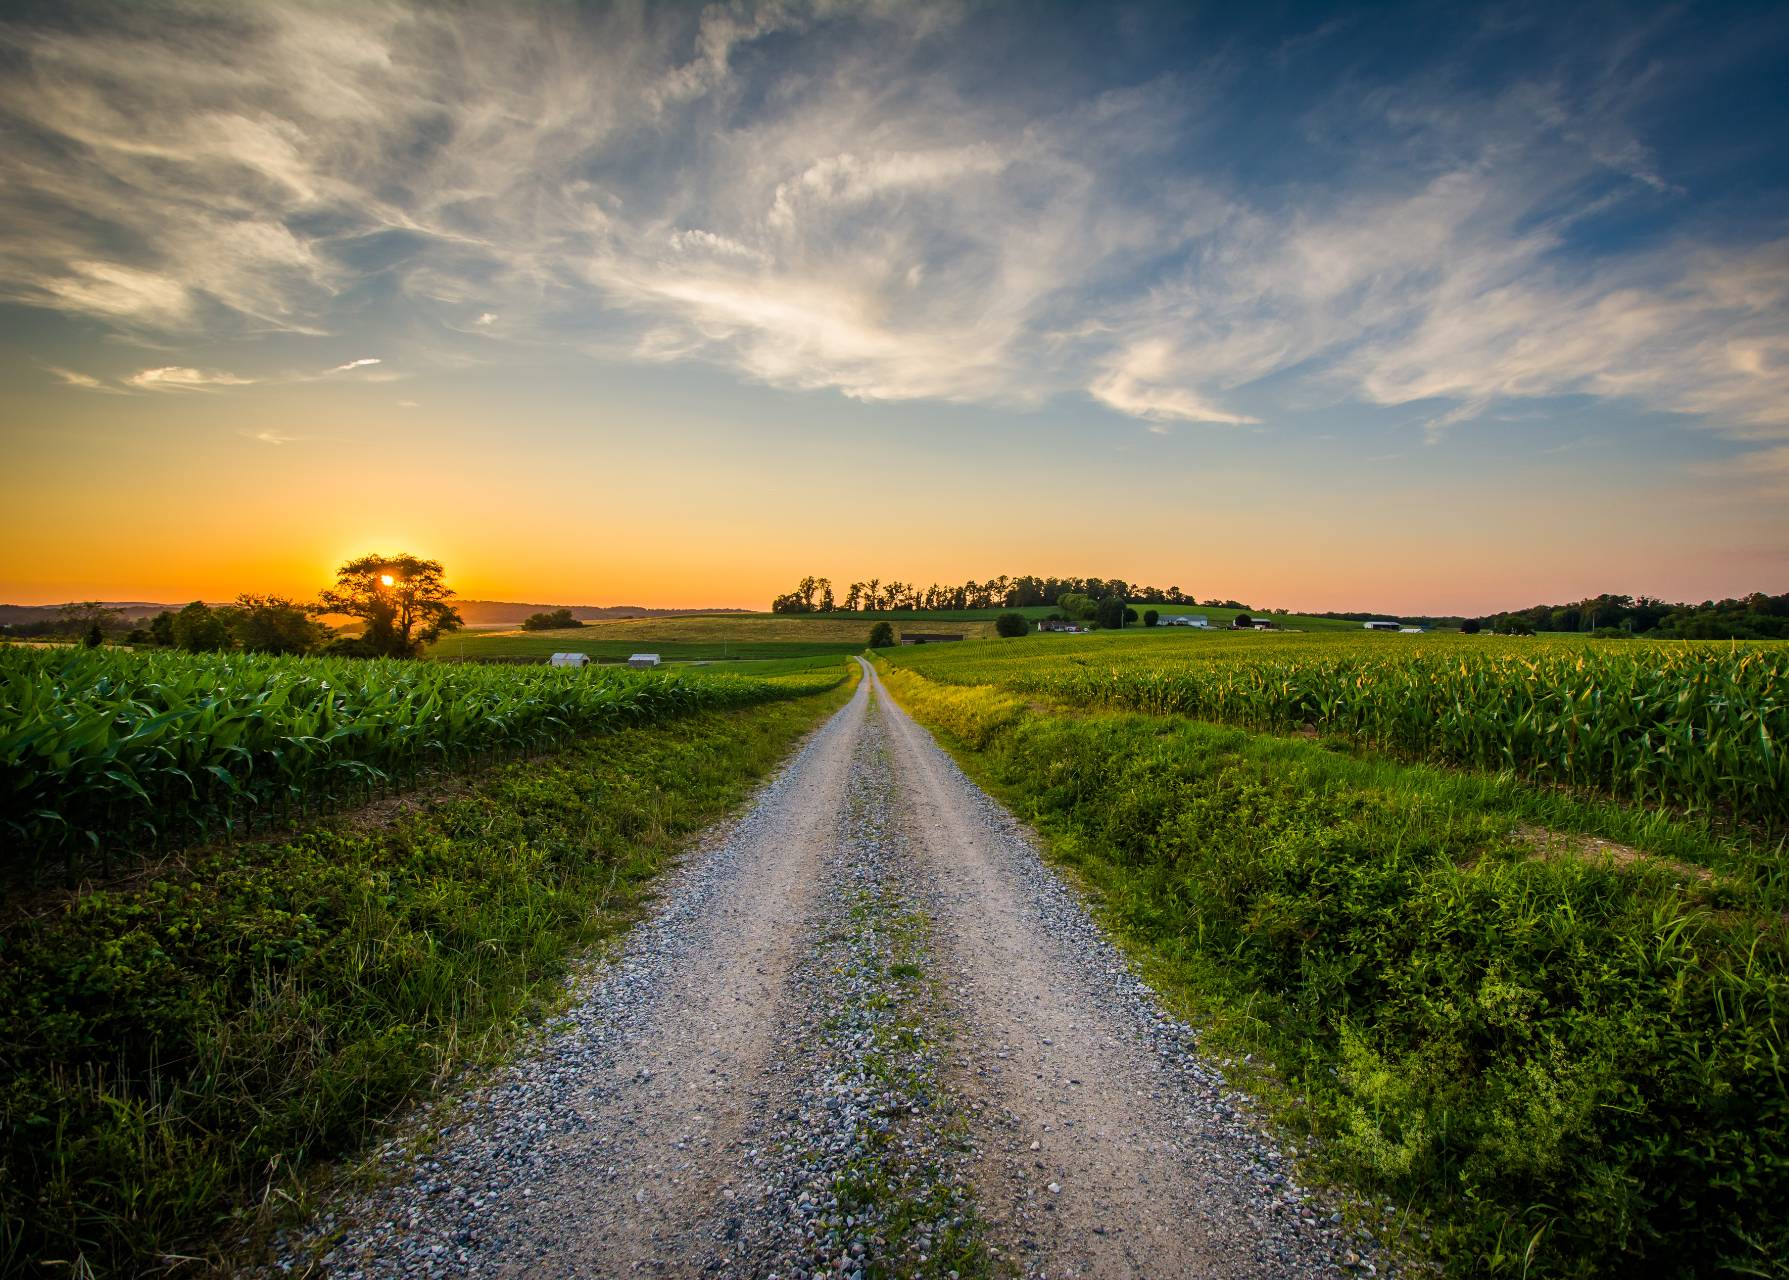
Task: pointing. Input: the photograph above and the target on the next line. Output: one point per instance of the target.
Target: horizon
(1432, 311)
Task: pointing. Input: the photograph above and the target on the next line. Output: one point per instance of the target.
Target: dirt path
(865, 1033)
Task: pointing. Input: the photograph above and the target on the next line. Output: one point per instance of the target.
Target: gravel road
(866, 1032)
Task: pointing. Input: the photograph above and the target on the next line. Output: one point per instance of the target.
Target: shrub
(1151, 617)
(1011, 624)
(557, 620)
(881, 636)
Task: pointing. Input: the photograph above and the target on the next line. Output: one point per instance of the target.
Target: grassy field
(178, 1053)
(1546, 1030)
(772, 635)
(1699, 727)
(107, 751)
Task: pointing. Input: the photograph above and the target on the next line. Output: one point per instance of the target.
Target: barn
(570, 659)
(643, 661)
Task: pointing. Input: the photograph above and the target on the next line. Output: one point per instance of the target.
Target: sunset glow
(669, 306)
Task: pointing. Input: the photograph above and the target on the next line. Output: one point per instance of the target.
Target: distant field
(699, 637)
(703, 637)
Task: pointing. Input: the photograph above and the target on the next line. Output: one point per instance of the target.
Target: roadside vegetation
(180, 1050)
(1542, 1033)
(1700, 728)
(106, 752)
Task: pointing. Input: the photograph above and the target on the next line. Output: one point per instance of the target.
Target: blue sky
(1524, 266)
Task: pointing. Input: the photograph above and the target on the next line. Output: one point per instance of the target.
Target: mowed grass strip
(175, 1057)
(1560, 1060)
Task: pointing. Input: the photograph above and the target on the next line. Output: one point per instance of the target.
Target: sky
(1424, 309)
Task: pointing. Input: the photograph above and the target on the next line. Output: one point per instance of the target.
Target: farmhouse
(1058, 624)
(643, 661)
(1380, 626)
(570, 659)
(928, 637)
(1184, 620)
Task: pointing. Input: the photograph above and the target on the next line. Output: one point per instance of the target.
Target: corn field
(1701, 727)
(102, 749)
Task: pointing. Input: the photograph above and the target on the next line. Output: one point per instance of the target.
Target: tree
(199, 628)
(881, 636)
(557, 620)
(1011, 624)
(95, 636)
(1151, 617)
(161, 628)
(273, 624)
(81, 618)
(1469, 627)
(1112, 613)
(402, 599)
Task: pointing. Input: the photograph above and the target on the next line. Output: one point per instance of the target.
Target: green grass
(180, 1053)
(1696, 726)
(1562, 1066)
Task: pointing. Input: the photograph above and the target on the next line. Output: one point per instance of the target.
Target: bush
(1011, 624)
(557, 620)
(881, 636)
(1151, 617)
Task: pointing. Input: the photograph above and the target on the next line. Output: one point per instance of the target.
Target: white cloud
(181, 378)
(409, 404)
(866, 222)
(75, 378)
(271, 437)
(361, 363)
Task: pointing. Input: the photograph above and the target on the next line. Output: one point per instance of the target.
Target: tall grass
(176, 1057)
(1702, 727)
(101, 749)
(1561, 1066)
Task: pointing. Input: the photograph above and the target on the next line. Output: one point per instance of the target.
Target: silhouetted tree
(403, 600)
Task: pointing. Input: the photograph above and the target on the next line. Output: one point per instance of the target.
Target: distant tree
(881, 636)
(139, 636)
(1151, 617)
(1112, 613)
(1469, 627)
(273, 624)
(1242, 620)
(161, 628)
(1011, 624)
(403, 600)
(95, 636)
(78, 619)
(1076, 606)
(199, 628)
(557, 620)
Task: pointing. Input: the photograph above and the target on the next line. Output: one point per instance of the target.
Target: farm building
(1057, 624)
(1184, 620)
(1380, 626)
(570, 659)
(928, 637)
(643, 661)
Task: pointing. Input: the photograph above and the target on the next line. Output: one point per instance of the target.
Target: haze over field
(1417, 309)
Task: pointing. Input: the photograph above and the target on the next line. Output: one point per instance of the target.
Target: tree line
(402, 602)
(877, 595)
(1754, 617)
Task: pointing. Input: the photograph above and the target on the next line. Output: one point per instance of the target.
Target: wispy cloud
(272, 437)
(85, 381)
(868, 217)
(181, 378)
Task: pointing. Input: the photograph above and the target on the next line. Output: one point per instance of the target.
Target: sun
(386, 578)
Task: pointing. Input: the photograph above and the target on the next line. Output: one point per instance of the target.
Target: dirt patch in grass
(1550, 846)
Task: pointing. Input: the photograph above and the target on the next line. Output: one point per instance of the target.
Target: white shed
(643, 661)
(570, 659)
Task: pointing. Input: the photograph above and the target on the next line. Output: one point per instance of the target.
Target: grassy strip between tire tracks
(175, 1057)
(1554, 1065)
